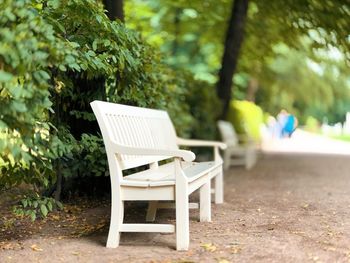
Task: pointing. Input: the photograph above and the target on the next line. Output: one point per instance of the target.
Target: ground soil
(288, 208)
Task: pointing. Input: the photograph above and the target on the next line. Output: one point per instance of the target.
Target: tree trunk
(253, 86)
(58, 191)
(114, 9)
(178, 12)
(234, 39)
(58, 164)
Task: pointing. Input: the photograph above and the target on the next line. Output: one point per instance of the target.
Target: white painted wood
(219, 188)
(205, 210)
(195, 185)
(182, 209)
(166, 193)
(217, 159)
(165, 174)
(152, 206)
(200, 143)
(151, 211)
(136, 136)
(162, 228)
(219, 178)
(236, 154)
(117, 215)
(172, 205)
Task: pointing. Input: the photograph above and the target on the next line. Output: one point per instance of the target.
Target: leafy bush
(205, 107)
(312, 124)
(29, 49)
(55, 58)
(36, 206)
(246, 117)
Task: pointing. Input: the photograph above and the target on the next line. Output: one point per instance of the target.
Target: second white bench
(236, 153)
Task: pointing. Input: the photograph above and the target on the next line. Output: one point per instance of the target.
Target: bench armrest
(200, 143)
(187, 156)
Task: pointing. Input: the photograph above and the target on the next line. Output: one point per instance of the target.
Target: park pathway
(306, 142)
(293, 206)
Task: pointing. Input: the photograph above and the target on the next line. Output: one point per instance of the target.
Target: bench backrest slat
(135, 127)
(228, 133)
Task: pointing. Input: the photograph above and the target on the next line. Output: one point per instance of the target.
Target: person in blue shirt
(290, 125)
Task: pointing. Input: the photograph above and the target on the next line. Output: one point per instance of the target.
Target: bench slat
(162, 228)
(164, 175)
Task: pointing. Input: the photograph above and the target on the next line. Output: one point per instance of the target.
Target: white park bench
(135, 137)
(236, 153)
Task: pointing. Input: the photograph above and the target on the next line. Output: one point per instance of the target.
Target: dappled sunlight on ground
(306, 142)
(288, 208)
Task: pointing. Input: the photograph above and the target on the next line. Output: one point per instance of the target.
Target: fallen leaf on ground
(236, 249)
(305, 206)
(208, 247)
(36, 248)
(56, 217)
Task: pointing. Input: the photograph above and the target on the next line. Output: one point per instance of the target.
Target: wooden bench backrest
(134, 127)
(228, 133)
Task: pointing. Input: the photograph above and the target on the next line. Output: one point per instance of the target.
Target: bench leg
(247, 160)
(205, 203)
(182, 214)
(250, 159)
(151, 211)
(219, 188)
(117, 216)
(227, 160)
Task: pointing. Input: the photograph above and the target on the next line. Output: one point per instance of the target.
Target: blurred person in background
(291, 123)
(282, 118)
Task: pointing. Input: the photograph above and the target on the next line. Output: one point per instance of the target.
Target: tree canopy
(192, 35)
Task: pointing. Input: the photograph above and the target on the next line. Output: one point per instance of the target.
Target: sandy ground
(288, 208)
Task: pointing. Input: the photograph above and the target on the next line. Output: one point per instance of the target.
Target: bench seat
(164, 175)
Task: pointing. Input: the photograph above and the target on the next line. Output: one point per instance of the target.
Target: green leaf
(5, 76)
(24, 202)
(19, 106)
(49, 206)
(59, 204)
(43, 210)
(33, 215)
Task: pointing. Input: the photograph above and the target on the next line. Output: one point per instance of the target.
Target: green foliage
(246, 117)
(192, 35)
(36, 206)
(204, 107)
(55, 58)
(305, 87)
(189, 33)
(312, 124)
(28, 50)
(86, 158)
(58, 56)
(342, 137)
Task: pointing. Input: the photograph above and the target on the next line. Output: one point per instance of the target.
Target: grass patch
(341, 137)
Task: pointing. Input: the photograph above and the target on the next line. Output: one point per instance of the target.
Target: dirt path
(289, 208)
(306, 142)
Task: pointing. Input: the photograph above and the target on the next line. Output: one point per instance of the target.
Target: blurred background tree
(192, 35)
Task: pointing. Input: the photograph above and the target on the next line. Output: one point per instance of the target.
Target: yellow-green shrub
(246, 117)
(312, 124)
